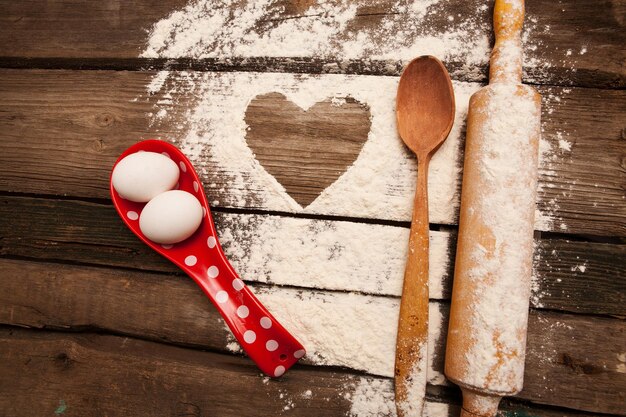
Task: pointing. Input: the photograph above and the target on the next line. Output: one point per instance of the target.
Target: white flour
(373, 186)
(372, 397)
(334, 326)
(215, 126)
(331, 255)
(204, 114)
(413, 404)
(331, 29)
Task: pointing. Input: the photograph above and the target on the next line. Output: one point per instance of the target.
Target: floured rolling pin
(489, 313)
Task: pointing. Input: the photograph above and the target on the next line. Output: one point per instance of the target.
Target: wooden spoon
(425, 114)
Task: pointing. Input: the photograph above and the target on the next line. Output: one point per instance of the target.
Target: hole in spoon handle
(261, 336)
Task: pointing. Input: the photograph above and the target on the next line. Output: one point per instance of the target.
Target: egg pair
(170, 216)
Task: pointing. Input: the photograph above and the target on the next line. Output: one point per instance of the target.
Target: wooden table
(95, 324)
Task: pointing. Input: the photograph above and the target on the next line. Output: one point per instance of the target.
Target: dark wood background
(94, 324)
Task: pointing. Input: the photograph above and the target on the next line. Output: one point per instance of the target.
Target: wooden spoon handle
(412, 341)
(506, 58)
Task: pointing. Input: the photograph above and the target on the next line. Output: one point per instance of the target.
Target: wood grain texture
(95, 375)
(60, 132)
(581, 374)
(580, 277)
(114, 33)
(66, 128)
(306, 151)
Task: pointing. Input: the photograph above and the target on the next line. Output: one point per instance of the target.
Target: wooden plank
(582, 277)
(565, 366)
(62, 131)
(579, 366)
(93, 375)
(107, 29)
(579, 42)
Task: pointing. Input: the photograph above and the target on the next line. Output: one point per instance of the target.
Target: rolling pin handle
(478, 404)
(505, 65)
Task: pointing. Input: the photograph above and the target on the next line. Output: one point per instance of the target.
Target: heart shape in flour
(306, 150)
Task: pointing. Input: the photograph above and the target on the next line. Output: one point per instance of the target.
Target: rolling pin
(490, 296)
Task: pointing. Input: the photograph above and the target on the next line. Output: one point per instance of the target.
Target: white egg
(142, 176)
(171, 217)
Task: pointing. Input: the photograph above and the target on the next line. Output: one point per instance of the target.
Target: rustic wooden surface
(97, 119)
(93, 323)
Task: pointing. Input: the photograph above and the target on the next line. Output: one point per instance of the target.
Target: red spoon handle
(265, 341)
(262, 337)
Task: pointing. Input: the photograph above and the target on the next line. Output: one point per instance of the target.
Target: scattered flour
(157, 82)
(537, 292)
(413, 404)
(554, 149)
(373, 397)
(332, 255)
(374, 186)
(334, 326)
(213, 127)
(565, 145)
(266, 28)
(204, 114)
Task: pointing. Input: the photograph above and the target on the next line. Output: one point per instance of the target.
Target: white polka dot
(266, 323)
(299, 353)
(221, 297)
(203, 212)
(279, 371)
(183, 167)
(140, 151)
(132, 215)
(249, 336)
(211, 242)
(243, 311)
(166, 154)
(271, 345)
(167, 246)
(237, 284)
(213, 272)
(191, 260)
(195, 186)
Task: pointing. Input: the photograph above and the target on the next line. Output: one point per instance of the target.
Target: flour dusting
(373, 397)
(381, 182)
(333, 255)
(207, 109)
(334, 326)
(203, 113)
(341, 31)
(413, 404)
(205, 116)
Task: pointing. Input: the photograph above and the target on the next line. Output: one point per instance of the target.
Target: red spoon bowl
(261, 336)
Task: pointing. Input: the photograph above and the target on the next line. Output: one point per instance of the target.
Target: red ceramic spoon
(266, 342)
